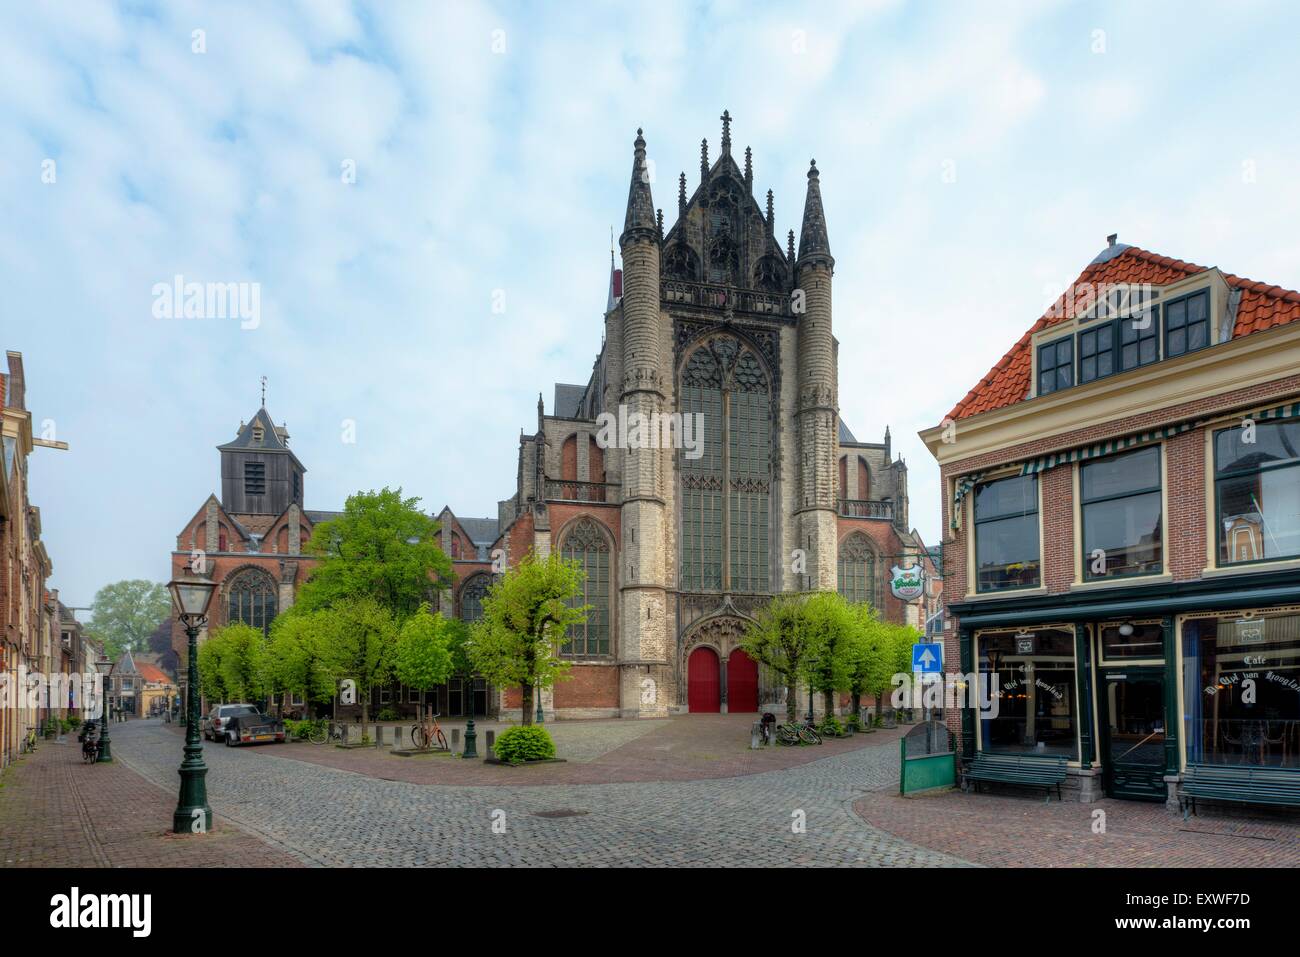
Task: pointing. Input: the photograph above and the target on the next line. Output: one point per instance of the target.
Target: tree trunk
(791, 701)
(855, 702)
(830, 702)
(526, 697)
(365, 719)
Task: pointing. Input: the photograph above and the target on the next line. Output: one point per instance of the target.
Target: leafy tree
(295, 659)
(212, 682)
(241, 660)
(896, 648)
(832, 621)
(783, 639)
(358, 641)
(423, 658)
(381, 548)
(526, 615)
(126, 613)
(863, 658)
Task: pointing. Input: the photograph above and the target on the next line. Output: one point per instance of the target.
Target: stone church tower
(683, 541)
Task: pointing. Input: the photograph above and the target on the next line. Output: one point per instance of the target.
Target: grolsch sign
(907, 583)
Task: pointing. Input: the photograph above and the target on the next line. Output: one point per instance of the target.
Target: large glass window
(588, 546)
(1056, 365)
(1122, 514)
(1133, 640)
(1257, 488)
(1006, 534)
(857, 570)
(726, 490)
(1032, 672)
(472, 595)
(1241, 683)
(251, 599)
(1187, 324)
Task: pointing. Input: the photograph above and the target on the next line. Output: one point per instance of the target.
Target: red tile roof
(153, 673)
(1262, 307)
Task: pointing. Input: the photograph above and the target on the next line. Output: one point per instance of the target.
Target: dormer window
(258, 434)
(1056, 365)
(1187, 323)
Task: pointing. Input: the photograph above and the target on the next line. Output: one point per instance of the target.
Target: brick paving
(56, 811)
(1008, 830)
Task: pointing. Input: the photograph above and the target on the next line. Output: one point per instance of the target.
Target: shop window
(1241, 683)
(1187, 324)
(1032, 674)
(1122, 515)
(1006, 534)
(1056, 365)
(1257, 490)
(1144, 641)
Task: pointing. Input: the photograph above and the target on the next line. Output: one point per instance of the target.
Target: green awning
(964, 484)
(1043, 463)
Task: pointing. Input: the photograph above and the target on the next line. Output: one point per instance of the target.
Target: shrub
(524, 743)
(831, 726)
(854, 722)
(298, 730)
(389, 714)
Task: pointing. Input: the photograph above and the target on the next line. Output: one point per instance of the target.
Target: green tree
(381, 548)
(863, 659)
(212, 654)
(896, 649)
(832, 622)
(359, 641)
(422, 658)
(784, 639)
(241, 661)
(295, 658)
(124, 614)
(526, 615)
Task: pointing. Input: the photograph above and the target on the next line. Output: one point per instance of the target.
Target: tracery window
(857, 571)
(251, 599)
(471, 597)
(726, 489)
(586, 544)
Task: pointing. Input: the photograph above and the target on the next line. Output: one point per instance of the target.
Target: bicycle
(29, 742)
(321, 732)
(796, 733)
(90, 748)
(427, 732)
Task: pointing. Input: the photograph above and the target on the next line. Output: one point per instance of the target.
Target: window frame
(975, 522)
(1187, 324)
(1057, 365)
(1083, 502)
(1216, 545)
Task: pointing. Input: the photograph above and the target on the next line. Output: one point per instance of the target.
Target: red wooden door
(703, 682)
(742, 682)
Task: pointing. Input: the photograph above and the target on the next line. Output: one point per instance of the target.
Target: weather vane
(264, 392)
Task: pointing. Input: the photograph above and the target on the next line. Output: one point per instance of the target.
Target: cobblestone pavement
(56, 811)
(684, 748)
(1019, 830)
(327, 816)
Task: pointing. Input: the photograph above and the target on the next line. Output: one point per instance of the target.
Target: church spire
(704, 159)
(640, 205)
(749, 169)
(726, 132)
(813, 242)
(681, 195)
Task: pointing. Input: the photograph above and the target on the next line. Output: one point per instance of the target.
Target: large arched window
(250, 598)
(857, 570)
(726, 489)
(471, 597)
(586, 544)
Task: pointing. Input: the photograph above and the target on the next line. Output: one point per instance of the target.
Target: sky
(423, 191)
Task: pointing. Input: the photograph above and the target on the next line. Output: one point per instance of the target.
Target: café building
(1122, 515)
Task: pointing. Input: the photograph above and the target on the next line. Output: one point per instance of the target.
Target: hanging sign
(907, 584)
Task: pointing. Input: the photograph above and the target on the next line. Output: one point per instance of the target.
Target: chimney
(1110, 240)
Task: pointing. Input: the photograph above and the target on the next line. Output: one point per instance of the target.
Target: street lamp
(191, 597)
(105, 668)
(537, 693)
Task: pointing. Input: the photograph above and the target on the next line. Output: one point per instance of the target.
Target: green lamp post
(540, 717)
(471, 736)
(191, 597)
(105, 668)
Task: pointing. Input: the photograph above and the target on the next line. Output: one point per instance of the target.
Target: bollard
(455, 737)
(379, 736)
(345, 733)
(491, 740)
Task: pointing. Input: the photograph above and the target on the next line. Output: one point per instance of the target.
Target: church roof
(268, 438)
(481, 531)
(845, 434)
(568, 400)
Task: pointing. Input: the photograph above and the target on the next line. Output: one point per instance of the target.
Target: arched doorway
(742, 683)
(703, 682)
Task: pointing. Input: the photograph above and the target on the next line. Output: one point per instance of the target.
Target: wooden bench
(1045, 771)
(1238, 785)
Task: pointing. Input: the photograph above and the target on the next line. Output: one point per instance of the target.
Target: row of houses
(42, 645)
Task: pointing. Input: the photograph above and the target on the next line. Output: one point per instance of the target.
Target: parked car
(212, 724)
(251, 728)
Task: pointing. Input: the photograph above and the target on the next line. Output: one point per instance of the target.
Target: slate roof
(568, 399)
(274, 438)
(845, 434)
(481, 531)
(318, 517)
(1263, 306)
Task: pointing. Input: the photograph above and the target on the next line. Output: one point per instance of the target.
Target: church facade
(714, 321)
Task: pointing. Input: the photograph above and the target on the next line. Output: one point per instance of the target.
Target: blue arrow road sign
(927, 657)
